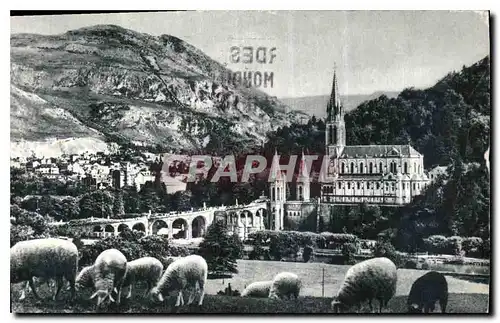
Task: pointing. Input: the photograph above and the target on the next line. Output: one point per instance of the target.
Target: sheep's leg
(180, 300)
(201, 285)
(72, 288)
(148, 289)
(24, 291)
(192, 295)
(32, 285)
(119, 293)
(442, 303)
(129, 294)
(59, 285)
(380, 305)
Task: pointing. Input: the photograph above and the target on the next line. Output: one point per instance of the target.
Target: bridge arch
(123, 227)
(199, 225)
(247, 218)
(181, 226)
(139, 226)
(233, 217)
(158, 225)
(109, 228)
(221, 216)
(97, 228)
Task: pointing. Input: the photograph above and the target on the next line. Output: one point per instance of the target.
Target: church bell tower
(335, 135)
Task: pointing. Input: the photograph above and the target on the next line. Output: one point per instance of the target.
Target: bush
(486, 249)
(334, 240)
(426, 266)
(258, 253)
(386, 249)
(410, 264)
(307, 253)
(348, 252)
(472, 246)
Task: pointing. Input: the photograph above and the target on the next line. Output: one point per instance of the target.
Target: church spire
(303, 172)
(333, 108)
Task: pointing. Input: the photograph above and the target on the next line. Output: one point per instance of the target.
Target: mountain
(106, 84)
(316, 105)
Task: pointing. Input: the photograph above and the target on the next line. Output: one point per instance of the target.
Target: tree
(181, 200)
(118, 205)
(97, 203)
(219, 250)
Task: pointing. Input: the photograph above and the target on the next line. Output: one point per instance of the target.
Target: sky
(372, 50)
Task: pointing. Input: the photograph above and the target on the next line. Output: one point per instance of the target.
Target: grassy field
(465, 296)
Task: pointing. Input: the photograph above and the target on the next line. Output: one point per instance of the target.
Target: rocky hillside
(111, 84)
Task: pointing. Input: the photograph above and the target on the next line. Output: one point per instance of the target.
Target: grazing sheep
(107, 273)
(184, 273)
(258, 289)
(44, 258)
(147, 269)
(285, 284)
(85, 278)
(374, 278)
(425, 291)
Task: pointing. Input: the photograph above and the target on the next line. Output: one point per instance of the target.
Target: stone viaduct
(241, 219)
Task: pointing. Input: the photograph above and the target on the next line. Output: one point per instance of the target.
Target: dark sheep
(426, 291)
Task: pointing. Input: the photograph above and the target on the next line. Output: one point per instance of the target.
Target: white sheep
(374, 278)
(184, 273)
(146, 269)
(258, 289)
(107, 273)
(285, 284)
(44, 258)
(85, 278)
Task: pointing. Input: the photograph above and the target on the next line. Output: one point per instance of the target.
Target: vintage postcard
(250, 162)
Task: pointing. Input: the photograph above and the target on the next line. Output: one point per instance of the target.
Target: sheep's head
(102, 295)
(338, 306)
(156, 295)
(414, 308)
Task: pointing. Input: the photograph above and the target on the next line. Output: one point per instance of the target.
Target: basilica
(374, 174)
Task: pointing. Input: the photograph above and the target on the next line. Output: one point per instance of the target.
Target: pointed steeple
(333, 108)
(275, 167)
(303, 172)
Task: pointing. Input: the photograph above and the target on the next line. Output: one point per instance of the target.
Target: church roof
(380, 151)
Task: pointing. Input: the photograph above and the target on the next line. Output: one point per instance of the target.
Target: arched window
(414, 167)
(406, 168)
(358, 185)
(343, 167)
(339, 185)
(419, 169)
(380, 170)
(371, 168)
(349, 185)
(378, 185)
(361, 168)
(334, 135)
(352, 168)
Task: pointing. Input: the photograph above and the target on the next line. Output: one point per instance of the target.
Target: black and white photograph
(250, 162)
